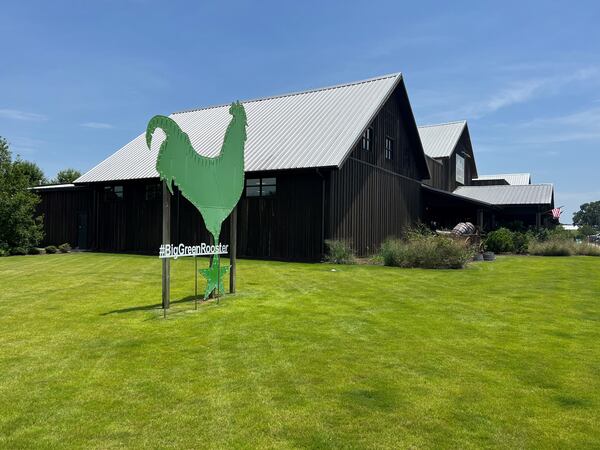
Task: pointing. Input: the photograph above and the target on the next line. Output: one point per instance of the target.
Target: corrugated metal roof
(440, 140)
(528, 194)
(511, 178)
(314, 128)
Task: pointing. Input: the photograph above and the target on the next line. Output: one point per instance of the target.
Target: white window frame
(460, 169)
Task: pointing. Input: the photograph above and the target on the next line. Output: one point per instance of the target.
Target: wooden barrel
(464, 228)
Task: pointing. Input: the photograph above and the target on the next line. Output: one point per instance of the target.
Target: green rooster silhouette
(212, 185)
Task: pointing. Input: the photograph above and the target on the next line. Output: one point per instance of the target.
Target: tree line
(20, 227)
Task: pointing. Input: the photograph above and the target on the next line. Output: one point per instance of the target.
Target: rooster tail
(172, 131)
(168, 125)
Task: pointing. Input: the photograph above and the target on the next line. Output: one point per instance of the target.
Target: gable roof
(315, 128)
(511, 178)
(439, 141)
(528, 194)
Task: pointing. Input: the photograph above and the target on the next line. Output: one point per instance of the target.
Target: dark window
(113, 193)
(367, 139)
(153, 192)
(389, 148)
(261, 187)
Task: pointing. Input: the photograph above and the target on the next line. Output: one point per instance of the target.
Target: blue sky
(80, 79)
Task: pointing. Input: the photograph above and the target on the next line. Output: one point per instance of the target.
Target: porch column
(166, 239)
(232, 249)
(480, 219)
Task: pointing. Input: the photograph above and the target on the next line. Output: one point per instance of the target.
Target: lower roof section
(510, 178)
(448, 198)
(509, 195)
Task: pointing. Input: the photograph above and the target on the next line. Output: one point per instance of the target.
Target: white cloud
(582, 125)
(16, 114)
(521, 91)
(97, 125)
(21, 145)
(514, 92)
(517, 93)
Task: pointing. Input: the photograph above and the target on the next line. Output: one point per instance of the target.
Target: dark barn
(455, 192)
(345, 162)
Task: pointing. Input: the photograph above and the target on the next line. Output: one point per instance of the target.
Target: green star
(214, 277)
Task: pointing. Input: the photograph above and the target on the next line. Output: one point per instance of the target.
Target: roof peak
(290, 94)
(455, 122)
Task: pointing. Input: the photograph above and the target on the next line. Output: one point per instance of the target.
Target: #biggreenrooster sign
(212, 185)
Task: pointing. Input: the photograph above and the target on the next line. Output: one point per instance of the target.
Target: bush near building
(64, 248)
(426, 251)
(500, 241)
(562, 247)
(339, 252)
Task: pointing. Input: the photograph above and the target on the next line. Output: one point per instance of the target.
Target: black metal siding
(372, 198)
(60, 209)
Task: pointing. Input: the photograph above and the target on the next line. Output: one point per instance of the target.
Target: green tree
(19, 228)
(33, 173)
(67, 176)
(586, 230)
(588, 214)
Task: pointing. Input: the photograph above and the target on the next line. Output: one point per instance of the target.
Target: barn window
(113, 193)
(261, 187)
(389, 148)
(153, 192)
(253, 187)
(460, 169)
(367, 139)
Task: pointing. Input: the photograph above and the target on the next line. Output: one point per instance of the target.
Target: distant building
(342, 162)
(569, 226)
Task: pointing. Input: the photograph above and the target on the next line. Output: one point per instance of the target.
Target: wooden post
(166, 239)
(480, 219)
(232, 249)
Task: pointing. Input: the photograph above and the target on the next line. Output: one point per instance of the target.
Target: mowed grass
(503, 354)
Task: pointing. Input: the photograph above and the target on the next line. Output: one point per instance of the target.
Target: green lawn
(503, 354)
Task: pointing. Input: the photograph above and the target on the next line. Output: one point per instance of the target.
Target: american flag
(556, 213)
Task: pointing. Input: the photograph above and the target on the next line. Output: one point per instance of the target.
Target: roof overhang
(460, 198)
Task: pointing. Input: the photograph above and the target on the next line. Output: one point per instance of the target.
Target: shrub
(552, 247)
(35, 251)
(539, 234)
(516, 225)
(559, 233)
(392, 252)
(64, 248)
(339, 252)
(587, 249)
(18, 251)
(426, 251)
(51, 249)
(500, 241)
(584, 231)
(520, 242)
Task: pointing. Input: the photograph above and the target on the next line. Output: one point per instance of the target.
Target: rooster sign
(212, 185)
